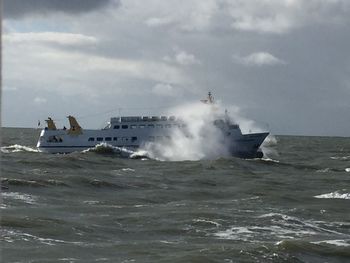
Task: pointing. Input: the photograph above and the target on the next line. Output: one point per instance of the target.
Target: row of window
(54, 139)
(142, 126)
(109, 139)
(127, 139)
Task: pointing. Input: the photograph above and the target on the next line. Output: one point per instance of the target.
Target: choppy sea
(103, 206)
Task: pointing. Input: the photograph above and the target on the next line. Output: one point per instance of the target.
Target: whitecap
(235, 233)
(48, 241)
(140, 154)
(91, 202)
(255, 233)
(340, 157)
(334, 195)
(26, 198)
(18, 148)
(296, 224)
(138, 206)
(269, 160)
(336, 242)
(128, 170)
(168, 242)
(207, 221)
(109, 149)
(105, 148)
(11, 236)
(325, 170)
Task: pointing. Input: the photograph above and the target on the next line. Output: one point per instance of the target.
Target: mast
(209, 100)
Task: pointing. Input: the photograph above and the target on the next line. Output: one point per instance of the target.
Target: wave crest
(335, 195)
(105, 148)
(17, 148)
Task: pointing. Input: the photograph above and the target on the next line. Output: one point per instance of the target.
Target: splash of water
(201, 139)
(268, 147)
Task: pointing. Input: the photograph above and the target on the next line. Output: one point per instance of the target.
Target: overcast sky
(281, 62)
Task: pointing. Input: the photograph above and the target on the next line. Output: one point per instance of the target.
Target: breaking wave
(335, 195)
(26, 198)
(336, 242)
(342, 158)
(104, 148)
(277, 226)
(17, 148)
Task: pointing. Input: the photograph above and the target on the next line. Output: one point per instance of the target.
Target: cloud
(275, 24)
(7, 88)
(259, 59)
(119, 55)
(281, 16)
(18, 8)
(182, 58)
(158, 21)
(164, 89)
(187, 16)
(77, 70)
(39, 100)
(50, 37)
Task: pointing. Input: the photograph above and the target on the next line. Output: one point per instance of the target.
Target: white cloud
(71, 71)
(275, 24)
(193, 15)
(259, 59)
(281, 16)
(158, 21)
(40, 100)
(183, 58)
(50, 37)
(9, 88)
(164, 89)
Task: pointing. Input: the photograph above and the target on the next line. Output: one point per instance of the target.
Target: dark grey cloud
(16, 9)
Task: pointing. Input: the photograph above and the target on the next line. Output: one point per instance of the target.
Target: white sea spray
(201, 139)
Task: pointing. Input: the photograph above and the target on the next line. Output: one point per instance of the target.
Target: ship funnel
(50, 124)
(75, 128)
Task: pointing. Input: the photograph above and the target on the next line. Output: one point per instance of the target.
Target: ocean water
(104, 206)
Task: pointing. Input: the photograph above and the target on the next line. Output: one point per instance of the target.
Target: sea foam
(334, 195)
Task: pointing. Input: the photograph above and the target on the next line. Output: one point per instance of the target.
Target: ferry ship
(134, 132)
